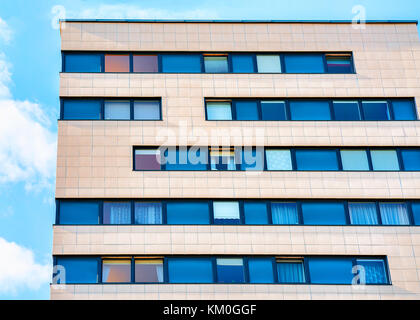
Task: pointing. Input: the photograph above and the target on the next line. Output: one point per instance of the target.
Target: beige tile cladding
(401, 245)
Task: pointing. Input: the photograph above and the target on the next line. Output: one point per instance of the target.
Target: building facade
(291, 159)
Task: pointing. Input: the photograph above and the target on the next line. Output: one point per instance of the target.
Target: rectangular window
(404, 110)
(374, 271)
(273, 110)
(252, 159)
(147, 159)
(148, 270)
(310, 110)
(260, 270)
(190, 270)
(219, 110)
(339, 63)
(246, 110)
(394, 213)
(355, 160)
(147, 110)
(222, 159)
(385, 160)
(376, 110)
(322, 160)
(323, 213)
(216, 63)
(226, 212)
(84, 212)
(243, 63)
(416, 213)
(145, 63)
(363, 213)
(181, 63)
(304, 63)
(330, 270)
(268, 64)
(81, 109)
(230, 270)
(193, 158)
(255, 213)
(116, 270)
(148, 213)
(82, 62)
(117, 110)
(346, 110)
(290, 270)
(411, 159)
(284, 213)
(188, 212)
(78, 270)
(117, 213)
(278, 159)
(117, 63)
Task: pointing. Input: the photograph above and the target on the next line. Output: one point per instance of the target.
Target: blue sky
(29, 69)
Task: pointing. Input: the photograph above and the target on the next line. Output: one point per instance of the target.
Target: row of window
(276, 159)
(207, 269)
(209, 62)
(310, 109)
(230, 212)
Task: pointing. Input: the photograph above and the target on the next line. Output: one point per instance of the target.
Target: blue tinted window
(190, 270)
(78, 270)
(273, 110)
(290, 271)
(242, 63)
(230, 270)
(252, 159)
(194, 158)
(346, 110)
(327, 213)
(416, 213)
(284, 213)
(82, 63)
(246, 110)
(375, 110)
(310, 110)
(404, 110)
(226, 212)
(374, 271)
(255, 213)
(181, 63)
(304, 63)
(330, 270)
(386, 160)
(316, 160)
(411, 159)
(260, 270)
(81, 110)
(188, 213)
(216, 64)
(354, 160)
(79, 212)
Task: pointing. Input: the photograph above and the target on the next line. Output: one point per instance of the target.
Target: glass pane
(416, 213)
(326, 270)
(290, 272)
(117, 63)
(148, 213)
(284, 213)
(322, 160)
(252, 159)
(147, 159)
(219, 111)
(363, 213)
(78, 269)
(278, 159)
(411, 159)
(226, 212)
(268, 63)
(394, 213)
(146, 110)
(148, 270)
(216, 64)
(195, 158)
(273, 110)
(304, 63)
(190, 270)
(323, 213)
(81, 110)
(255, 213)
(354, 160)
(260, 270)
(404, 110)
(230, 270)
(117, 213)
(117, 270)
(145, 63)
(346, 110)
(375, 110)
(374, 271)
(188, 212)
(339, 63)
(222, 159)
(242, 63)
(385, 160)
(310, 110)
(118, 110)
(82, 63)
(181, 63)
(79, 212)
(246, 110)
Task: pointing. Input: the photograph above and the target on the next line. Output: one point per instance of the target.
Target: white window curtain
(117, 110)
(148, 213)
(117, 213)
(284, 213)
(363, 213)
(290, 272)
(394, 213)
(226, 210)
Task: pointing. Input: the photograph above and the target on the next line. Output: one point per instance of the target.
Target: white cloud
(19, 270)
(5, 31)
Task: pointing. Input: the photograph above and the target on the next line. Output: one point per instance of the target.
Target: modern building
(238, 160)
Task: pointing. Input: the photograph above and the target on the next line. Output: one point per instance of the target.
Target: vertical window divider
(347, 212)
(275, 273)
(287, 107)
(265, 166)
(233, 108)
(293, 158)
(241, 212)
(102, 117)
(132, 212)
(299, 212)
(202, 66)
(360, 107)
(214, 267)
(254, 61)
(332, 114)
(130, 68)
(63, 62)
(400, 159)
(282, 63)
(131, 109)
(61, 109)
(205, 109)
(259, 109)
(100, 280)
(324, 60)
(390, 109)
(410, 212)
(269, 212)
(230, 64)
(165, 270)
(245, 262)
(211, 212)
(57, 211)
(378, 213)
(101, 212)
(369, 157)
(306, 272)
(159, 61)
(165, 212)
(208, 165)
(102, 62)
(133, 265)
(339, 161)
